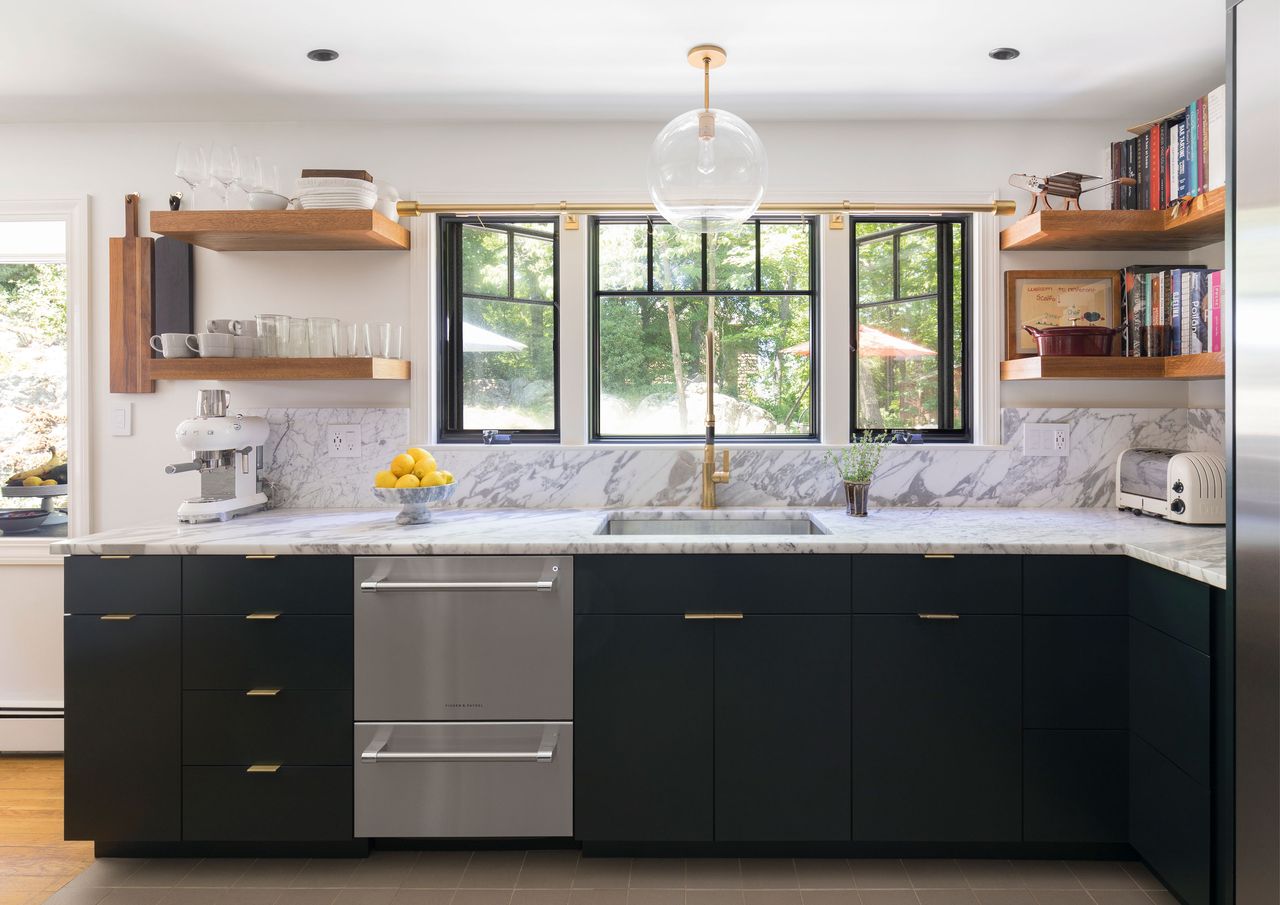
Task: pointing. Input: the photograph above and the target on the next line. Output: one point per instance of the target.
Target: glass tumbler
(322, 336)
(297, 345)
(271, 334)
(355, 340)
(383, 348)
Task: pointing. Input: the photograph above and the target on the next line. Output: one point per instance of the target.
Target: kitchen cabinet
(905, 583)
(936, 729)
(122, 645)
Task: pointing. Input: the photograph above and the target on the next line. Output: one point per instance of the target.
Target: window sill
(29, 551)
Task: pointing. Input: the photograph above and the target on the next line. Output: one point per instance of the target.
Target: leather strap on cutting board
(131, 261)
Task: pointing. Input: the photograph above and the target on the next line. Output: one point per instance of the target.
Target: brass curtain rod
(999, 208)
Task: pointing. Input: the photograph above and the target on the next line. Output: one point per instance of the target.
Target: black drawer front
(1075, 786)
(1075, 672)
(1172, 603)
(235, 585)
(743, 583)
(913, 583)
(1169, 822)
(1075, 585)
(1169, 698)
(133, 584)
(293, 804)
(233, 653)
(231, 728)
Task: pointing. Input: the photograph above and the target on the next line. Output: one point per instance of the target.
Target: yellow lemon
(384, 479)
(31, 481)
(418, 453)
(447, 475)
(433, 480)
(49, 482)
(402, 464)
(424, 467)
(406, 480)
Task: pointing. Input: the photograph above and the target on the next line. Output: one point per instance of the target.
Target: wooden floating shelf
(1204, 366)
(313, 230)
(1203, 224)
(278, 369)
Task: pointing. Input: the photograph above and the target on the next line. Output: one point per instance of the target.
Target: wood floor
(34, 861)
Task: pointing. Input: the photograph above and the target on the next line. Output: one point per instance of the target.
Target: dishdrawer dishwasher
(463, 696)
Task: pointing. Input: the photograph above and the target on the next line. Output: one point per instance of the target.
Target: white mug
(172, 345)
(224, 325)
(212, 345)
(245, 346)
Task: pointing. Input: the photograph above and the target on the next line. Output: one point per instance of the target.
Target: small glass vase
(855, 498)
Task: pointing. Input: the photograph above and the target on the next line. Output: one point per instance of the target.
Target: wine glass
(250, 176)
(192, 167)
(224, 167)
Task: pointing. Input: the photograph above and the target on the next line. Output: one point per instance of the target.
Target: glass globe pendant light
(707, 168)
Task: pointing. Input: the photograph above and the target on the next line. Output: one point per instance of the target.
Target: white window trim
(73, 210)
(834, 319)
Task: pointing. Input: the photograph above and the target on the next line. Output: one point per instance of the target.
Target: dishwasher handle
(544, 754)
(546, 583)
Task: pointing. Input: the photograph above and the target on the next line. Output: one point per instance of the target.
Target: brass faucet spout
(710, 476)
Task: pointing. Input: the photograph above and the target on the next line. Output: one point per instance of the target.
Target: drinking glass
(271, 334)
(383, 348)
(392, 348)
(355, 340)
(298, 345)
(250, 176)
(192, 167)
(322, 334)
(224, 167)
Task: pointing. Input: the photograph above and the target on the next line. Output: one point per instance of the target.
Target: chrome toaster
(1188, 487)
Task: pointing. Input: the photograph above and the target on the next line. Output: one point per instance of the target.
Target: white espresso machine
(227, 451)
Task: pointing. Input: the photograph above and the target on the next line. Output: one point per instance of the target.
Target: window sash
(452, 299)
(947, 308)
(595, 294)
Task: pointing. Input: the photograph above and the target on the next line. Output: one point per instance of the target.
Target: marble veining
(1194, 551)
(304, 476)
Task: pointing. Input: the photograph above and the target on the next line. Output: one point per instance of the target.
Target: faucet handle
(722, 476)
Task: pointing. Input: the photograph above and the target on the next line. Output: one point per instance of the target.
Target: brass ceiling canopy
(707, 56)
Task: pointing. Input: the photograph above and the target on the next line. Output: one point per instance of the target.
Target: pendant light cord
(706, 83)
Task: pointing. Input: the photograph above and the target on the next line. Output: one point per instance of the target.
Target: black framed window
(910, 326)
(655, 291)
(499, 328)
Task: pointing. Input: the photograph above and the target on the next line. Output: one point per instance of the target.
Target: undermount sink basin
(709, 523)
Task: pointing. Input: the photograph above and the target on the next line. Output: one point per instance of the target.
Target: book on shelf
(1170, 310)
(1175, 157)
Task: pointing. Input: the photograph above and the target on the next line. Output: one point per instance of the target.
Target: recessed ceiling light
(1005, 53)
(324, 55)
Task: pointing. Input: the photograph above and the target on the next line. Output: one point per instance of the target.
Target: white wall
(486, 161)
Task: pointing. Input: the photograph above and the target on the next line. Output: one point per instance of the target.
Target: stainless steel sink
(709, 523)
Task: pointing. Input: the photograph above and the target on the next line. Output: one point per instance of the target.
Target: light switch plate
(121, 416)
(1040, 439)
(343, 441)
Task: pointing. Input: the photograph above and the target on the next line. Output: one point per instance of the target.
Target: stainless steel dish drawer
(463, 638)
(463, 779)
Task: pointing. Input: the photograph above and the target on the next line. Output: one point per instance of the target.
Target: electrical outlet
(344, 441)
(122, 419)
(1046, 439)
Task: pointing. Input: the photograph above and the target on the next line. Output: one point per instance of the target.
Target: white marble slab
(1197, 552)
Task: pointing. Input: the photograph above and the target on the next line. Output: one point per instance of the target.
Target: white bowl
(267, 201)
(415, 501)
(333, 182)
(306, 202)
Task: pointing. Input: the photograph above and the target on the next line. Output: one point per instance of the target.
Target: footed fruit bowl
(415, 502)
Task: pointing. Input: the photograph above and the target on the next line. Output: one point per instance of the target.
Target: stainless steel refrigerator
(1253, 423)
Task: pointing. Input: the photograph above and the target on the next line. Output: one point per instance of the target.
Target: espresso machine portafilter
(227, 452)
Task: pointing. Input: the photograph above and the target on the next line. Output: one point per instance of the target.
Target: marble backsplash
(304, 476)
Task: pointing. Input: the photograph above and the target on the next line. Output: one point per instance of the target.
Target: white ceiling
(243, 60)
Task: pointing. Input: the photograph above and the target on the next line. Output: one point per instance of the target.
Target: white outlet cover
(1040, 439)
(342, 441)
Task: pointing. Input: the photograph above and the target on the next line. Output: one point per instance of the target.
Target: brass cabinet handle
(713, 615)
(262, 692)
(947, 617)
(262, 617)
(117, 617)
(262, 768)
(260, 556)
(115, 556)
(939, 556)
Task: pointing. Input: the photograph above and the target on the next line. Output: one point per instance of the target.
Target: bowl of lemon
(416, 482)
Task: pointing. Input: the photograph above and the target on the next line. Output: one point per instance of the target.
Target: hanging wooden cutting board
(131, 258)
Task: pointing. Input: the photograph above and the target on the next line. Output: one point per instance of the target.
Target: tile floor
(564, 878)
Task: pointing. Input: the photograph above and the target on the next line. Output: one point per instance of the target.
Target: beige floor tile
(307, 897)
(990, 874)
(548, 870)
(481, 897)
(934, 873)
(946, 897)
(135, 896)
(602, 873)
(1162, 897)
(160, 872)
(768, 873)
(1143, 877)
(422, 897)
(1046, 875)
(598, 896)
(325, 873)
(78, 895)
(712, 873)
(824, 873)
(657, 873)
(365, 896)
(713, 897)
(540, 897)
(1102, 875)
(437, 870)
(1062, 897)
(219, 873)
(492, 870)
(273, 873)
(1005, 896)
(383, 870)
(830, 897)
(888, 897)
(1120, 897)
(879, 873)
(107, 872)
(772, 897)
(655, 897)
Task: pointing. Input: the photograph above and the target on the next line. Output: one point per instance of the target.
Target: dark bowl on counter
(1072, 340)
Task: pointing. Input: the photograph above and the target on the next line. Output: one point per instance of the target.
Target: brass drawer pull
(262, 768)
(262, 617)
(260, 556)
(713, 615)
(939, 556)
(117, 617)
(115, 556)
(262, 692)
(946, 617)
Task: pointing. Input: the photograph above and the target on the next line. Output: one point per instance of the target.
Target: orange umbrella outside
(876, 343)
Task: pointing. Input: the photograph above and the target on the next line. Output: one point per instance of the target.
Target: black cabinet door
(1170, 699)
(1075, 785)
(642, 729)
(232, 653)
(300, 585)
(782, 767)
(1169, 822)
(937, 583)
(1075, 672)
(122, 584)
(937, 752)
(123, 761)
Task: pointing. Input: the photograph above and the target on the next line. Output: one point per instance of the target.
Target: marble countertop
(1197, 552)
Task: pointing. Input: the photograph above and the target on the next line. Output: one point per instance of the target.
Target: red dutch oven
(1072, 340)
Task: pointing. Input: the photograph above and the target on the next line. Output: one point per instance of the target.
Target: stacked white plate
(335, 193)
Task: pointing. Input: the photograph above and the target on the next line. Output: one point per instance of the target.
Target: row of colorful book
(1167, 310)
(1173, 158)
